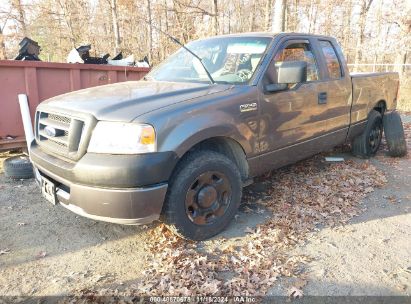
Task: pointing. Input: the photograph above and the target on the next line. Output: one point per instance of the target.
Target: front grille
(59, 118)
(59, 133)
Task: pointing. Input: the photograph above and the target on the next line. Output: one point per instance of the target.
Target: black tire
(18, 167)
(184, 212)
(394, 135)
(367, 144)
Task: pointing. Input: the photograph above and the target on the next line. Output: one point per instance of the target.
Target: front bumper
(134, 206)
(110, 199)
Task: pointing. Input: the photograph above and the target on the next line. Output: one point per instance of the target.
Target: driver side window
(299, 52)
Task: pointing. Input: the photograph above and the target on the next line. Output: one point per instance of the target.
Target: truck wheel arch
(380, 106)
(226, 146)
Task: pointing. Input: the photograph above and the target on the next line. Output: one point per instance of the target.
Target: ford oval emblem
(50, 131)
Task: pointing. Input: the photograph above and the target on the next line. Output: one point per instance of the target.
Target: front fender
(185, 134)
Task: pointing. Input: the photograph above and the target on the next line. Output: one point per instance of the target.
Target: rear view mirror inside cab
(288, 72)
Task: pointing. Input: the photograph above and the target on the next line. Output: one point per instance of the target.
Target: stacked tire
(394, 135)
(18, 167)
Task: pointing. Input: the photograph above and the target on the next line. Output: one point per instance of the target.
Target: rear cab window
(331, 59)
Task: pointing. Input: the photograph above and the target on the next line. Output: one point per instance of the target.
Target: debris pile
(29, 50)
(82, 55)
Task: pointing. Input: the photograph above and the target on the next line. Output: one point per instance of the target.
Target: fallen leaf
(295, 293)
(300, 283)
(4, 251)
(249, 230)
(41, 254)
(368, 190)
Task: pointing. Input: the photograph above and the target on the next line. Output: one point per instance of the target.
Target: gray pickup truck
(181, 144)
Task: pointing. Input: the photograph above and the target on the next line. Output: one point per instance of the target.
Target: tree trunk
(267, 14)
(361, 25)
(2, 46)
(252, 17)
(347, 29)
(278, 23)
(400, 60)
(166, 21)
(215, 17)
(312, 16)
(150, 32)
(20, 15)
(166, 15)
(229, 20)
(116, 29)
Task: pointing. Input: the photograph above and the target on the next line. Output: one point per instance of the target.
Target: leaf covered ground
(296, 201)
(291, 205)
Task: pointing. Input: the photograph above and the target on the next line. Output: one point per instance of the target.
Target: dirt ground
(47, 250)
(372, 254)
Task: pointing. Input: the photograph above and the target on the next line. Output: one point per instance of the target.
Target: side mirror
(274, 87)
(288, 72)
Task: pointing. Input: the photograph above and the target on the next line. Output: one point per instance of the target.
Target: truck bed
(369, 88)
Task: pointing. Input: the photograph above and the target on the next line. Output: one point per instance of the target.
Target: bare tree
(401, 58)
(278, 22)
(253, 13)
(312, 15)
(215, 17)
(150, 31)
(16, 4)
(71, 22)
(365, 6)
(2, 45)
(116, 30)
(4, 16)
(267, 14)
(67, 12)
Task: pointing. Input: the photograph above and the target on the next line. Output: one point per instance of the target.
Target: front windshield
(231, 60)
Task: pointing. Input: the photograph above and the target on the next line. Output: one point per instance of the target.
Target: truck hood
(125, 101)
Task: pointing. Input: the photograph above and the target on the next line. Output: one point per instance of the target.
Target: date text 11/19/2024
(203, 299)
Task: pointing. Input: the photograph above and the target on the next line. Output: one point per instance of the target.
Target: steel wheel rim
(375, 136)
(208, 198)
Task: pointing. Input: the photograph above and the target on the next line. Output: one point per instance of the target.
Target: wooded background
(374, 34)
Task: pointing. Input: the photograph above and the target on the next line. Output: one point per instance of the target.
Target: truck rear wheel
(367, 144)
(394, 134)
(203, 196)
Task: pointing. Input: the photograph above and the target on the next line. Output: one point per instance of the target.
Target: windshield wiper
(175, 40)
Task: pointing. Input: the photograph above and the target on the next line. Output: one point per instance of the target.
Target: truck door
(338, 89)
(294, 115)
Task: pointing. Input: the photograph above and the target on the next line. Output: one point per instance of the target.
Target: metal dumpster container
(42, 80)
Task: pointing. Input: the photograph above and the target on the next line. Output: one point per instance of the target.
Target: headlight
(122, 138)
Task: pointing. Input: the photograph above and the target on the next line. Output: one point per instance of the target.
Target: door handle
(322, 97)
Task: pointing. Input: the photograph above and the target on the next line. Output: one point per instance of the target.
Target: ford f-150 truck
(181, 144)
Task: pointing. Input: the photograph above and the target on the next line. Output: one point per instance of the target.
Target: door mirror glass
(290, 72)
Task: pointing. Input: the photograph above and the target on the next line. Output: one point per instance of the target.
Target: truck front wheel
(203, 196)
